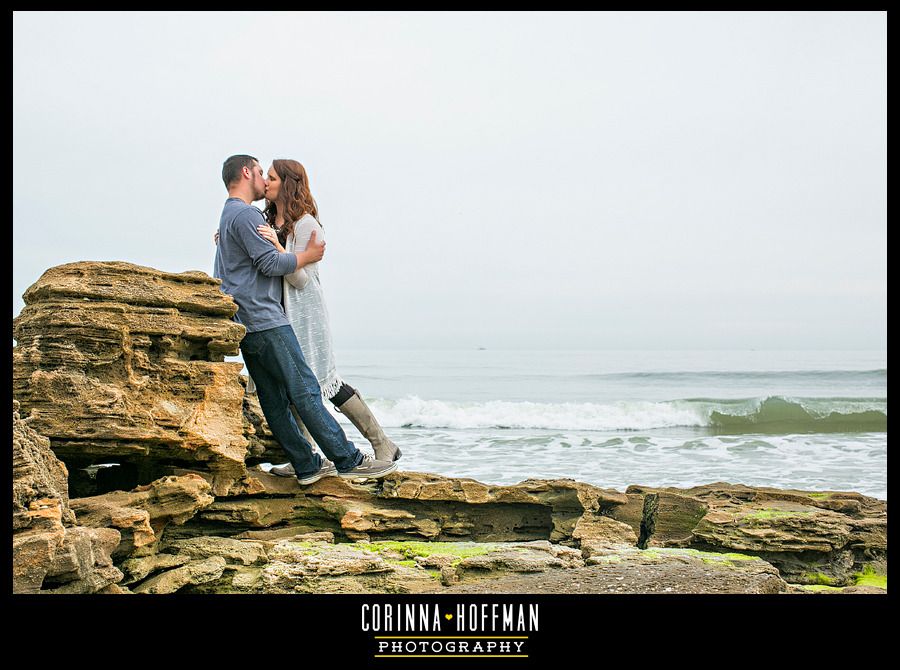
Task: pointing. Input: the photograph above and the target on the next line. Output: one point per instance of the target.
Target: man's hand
(312, 253)
(216, 237)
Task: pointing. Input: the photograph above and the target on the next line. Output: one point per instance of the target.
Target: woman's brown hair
(294, 199)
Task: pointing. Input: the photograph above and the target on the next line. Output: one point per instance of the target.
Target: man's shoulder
(242, 212)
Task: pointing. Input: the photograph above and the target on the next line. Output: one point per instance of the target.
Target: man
(251, 270)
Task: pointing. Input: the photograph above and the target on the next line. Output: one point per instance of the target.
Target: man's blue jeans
(275, 361)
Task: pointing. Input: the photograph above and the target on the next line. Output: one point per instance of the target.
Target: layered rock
(811, 536)
(408, 505)
(122, 364)
(263, 447)
(314, 563)
(40, 479)
(51, 554)
(141, 515)
(720, 525)
(119, 363)
(627, 569)
(421, 533)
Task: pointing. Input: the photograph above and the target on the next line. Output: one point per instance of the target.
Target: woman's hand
(269, 233)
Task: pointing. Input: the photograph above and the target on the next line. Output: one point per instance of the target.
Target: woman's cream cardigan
(304, 305)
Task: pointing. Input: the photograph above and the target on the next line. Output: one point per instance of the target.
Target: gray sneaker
(327, 470)
(369, 468)
(286, 470)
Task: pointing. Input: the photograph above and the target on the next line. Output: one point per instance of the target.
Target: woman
(292, 215)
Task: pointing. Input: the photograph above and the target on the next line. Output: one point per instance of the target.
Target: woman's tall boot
(361, 416)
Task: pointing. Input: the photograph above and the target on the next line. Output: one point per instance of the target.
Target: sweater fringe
(329, 389)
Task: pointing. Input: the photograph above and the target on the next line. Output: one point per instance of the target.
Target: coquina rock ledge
(121, 363)
(136, 458)
(52, 553)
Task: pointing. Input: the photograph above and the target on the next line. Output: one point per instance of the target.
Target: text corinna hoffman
(432, 618)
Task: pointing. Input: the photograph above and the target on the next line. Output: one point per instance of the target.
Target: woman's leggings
(343, 395)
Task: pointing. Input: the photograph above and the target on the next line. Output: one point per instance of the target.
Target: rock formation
(812, 537)
(51, 554)
(136, 471)
(118, 363)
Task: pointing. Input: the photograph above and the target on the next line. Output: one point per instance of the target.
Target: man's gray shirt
(251, 268)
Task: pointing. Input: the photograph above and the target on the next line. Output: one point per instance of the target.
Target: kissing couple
(269, 263)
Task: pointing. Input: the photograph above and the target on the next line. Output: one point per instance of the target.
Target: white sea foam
(802, 414)
(412, 411)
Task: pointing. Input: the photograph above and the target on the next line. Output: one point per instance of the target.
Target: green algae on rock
(868, 577)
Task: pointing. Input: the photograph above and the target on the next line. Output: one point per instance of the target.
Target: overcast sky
(626, 180)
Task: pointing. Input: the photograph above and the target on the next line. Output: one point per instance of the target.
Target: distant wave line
(773, 414)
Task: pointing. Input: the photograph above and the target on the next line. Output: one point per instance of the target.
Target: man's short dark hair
(231, 168)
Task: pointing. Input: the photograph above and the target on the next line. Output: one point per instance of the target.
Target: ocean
(814, 420)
